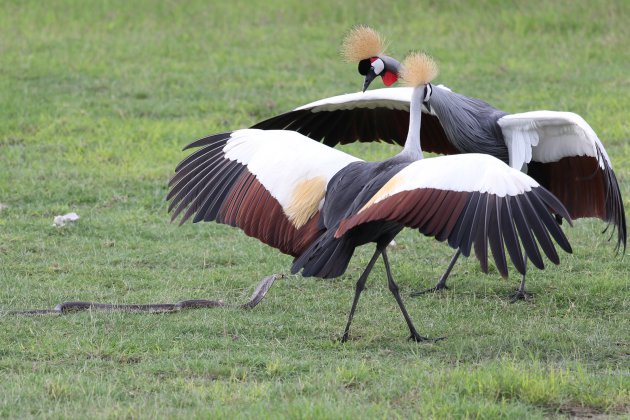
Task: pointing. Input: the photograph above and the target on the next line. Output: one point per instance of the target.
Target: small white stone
(59, 221)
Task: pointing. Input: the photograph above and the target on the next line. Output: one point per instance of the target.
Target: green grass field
(98, 98)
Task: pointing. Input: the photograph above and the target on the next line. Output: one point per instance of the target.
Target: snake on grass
(259, 293)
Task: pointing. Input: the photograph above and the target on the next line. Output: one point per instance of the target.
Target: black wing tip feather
(481, 236)
(456, 236)
(208, 139)
(277, 122)
(547, 218)
(196, 181)
(525, 232)
(510, 222)
(510, 237)
(497, 245)
(615, 214)
(615, 209)
(552, 201)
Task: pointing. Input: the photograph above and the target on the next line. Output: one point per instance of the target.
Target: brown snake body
(259, 293)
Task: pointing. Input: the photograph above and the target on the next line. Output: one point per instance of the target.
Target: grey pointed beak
(368, 78)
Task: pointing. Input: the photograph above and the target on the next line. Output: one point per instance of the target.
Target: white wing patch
(290, 166)
(466, 172)
(391, 98)
(548, 136)
(397, 98)
(520, 139)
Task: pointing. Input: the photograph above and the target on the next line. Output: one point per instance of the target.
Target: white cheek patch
(429, 92)
(378, 66)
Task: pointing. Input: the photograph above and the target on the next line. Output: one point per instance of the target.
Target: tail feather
(326, 258)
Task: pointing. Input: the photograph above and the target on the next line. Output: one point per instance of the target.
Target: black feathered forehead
(364, 66)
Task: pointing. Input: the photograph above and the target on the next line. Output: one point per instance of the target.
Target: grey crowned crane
(558, 149)
(318, 204)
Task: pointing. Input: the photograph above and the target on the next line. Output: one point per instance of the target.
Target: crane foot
(421, 339)
(521, 295)
(437, 288)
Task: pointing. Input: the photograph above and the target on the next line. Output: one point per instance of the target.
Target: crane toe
(521, 295)
(436, 288)
(421, 339)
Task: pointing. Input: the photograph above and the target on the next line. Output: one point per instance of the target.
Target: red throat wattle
(389, 78)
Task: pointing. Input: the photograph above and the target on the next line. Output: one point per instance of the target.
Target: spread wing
(565, 155)
(374, 115)
(562, 151)
(471, 200)
(271, 184)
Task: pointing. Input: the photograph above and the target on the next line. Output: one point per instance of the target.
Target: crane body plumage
(558, 149)
(348, 191)
(319, 204)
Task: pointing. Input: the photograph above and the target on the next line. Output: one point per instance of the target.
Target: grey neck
(469, 123)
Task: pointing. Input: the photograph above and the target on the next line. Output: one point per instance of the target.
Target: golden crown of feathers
(418, 69)
(362, 42)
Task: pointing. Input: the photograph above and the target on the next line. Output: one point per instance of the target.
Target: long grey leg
(393, 287)
(357, 292)
(521, 294)
(441, 284)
